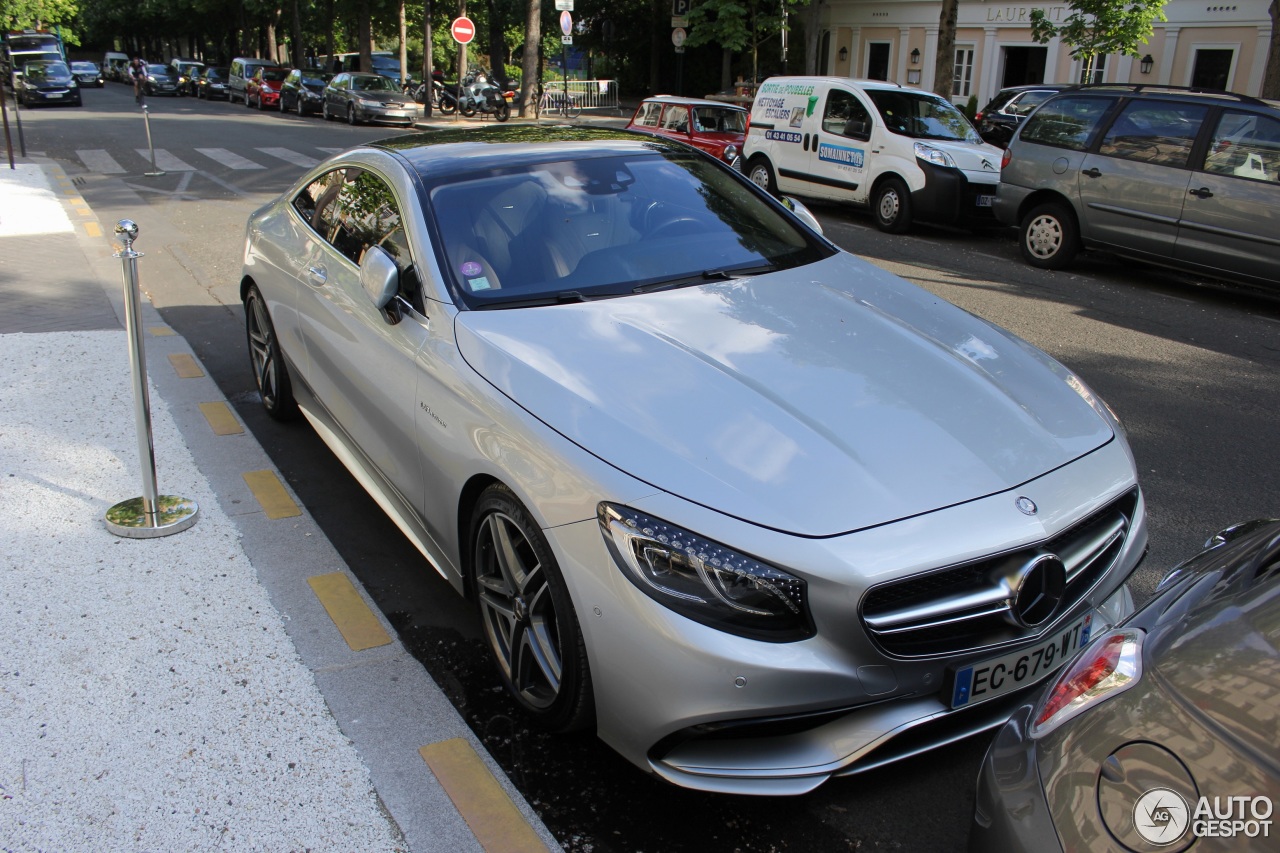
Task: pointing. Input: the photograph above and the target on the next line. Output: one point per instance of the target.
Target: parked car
(240, 73)
(303, 91)
(262, 90)
(907, 154)
(186, 70)
(757, 530)
(998, 120)
(160, 80)
(47, 81)
(87, 74)
(1181, 178)
(1179, 703)
(365, 97)
(717, 128)
(211, 84)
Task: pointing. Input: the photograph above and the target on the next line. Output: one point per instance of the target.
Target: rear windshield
(922, 116)
(609, 227)
(274, 74)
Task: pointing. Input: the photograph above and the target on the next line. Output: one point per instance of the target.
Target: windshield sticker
(782, 135)
(843, 156)
(471, 268)
(479, 283)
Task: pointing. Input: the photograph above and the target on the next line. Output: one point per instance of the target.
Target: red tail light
(1005, 158)
(1110, 664)
(977, 117)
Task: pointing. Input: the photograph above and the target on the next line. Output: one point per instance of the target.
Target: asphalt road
(1190, 370)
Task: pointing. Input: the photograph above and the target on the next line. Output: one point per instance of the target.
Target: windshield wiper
(729, 274)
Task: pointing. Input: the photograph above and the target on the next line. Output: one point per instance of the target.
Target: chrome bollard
(155, 170)
(151, 515)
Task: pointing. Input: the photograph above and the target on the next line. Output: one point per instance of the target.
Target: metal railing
(587, 94)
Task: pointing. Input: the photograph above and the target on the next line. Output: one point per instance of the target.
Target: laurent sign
(1022, 14)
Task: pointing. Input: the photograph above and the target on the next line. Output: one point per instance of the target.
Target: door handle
(1092, 172)
(1203, 192)
(318, 275)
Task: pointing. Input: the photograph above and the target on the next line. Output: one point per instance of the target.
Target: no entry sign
(463, 30)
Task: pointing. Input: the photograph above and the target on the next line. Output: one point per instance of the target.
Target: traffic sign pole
(463, 31)
(566, 27)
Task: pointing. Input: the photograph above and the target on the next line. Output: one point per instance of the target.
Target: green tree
(1100, 27)
(739, 25)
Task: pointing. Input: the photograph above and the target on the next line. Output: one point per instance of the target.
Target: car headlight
(704, 580)
(730, 153)
(362, 102)
(936, 156)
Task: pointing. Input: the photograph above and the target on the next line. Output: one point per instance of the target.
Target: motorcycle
(479, 95)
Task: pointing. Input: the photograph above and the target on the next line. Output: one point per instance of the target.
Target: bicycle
(557, 103)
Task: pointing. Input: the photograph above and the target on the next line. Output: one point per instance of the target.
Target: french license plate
(1005, 674)
(986, 200)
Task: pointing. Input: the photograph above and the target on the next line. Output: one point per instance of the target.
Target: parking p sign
(680, 8)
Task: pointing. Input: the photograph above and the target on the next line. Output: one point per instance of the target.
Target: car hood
(382, 96)
(815, 401)
(1229, 640)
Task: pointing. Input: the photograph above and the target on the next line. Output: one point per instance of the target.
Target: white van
(906, 153)
(115, 65)
(242, 69)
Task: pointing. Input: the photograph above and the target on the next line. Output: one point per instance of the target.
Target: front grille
(968, 607)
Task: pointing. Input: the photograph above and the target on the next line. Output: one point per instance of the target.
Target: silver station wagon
(756, 511)
(1177, 177)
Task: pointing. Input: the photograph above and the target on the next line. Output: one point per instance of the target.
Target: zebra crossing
(103, 162)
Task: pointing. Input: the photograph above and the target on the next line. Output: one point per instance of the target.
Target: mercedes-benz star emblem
(1038, 588)
(1026, 506)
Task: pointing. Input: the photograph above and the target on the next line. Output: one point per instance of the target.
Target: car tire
(528, 618)
(1049, 236)
(324, 111)
(761, 174)
(891, 206)
(266, 360)
(351, 115)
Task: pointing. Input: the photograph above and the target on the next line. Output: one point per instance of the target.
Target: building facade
(1207, 44)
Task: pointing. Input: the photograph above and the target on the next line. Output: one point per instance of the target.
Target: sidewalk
(190, 692)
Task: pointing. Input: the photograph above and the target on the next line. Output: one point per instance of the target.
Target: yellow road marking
(271, 494)
(186, 366)
(494, 820)
(161, 331)
(221, 419)
(356, 622)
(93, 229)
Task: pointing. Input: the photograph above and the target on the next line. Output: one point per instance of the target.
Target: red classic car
(715, 127)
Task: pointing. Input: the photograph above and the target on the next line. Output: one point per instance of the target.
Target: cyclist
(138, 71)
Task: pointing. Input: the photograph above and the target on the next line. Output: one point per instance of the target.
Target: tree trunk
(328, 38)
(655, 48)
(726, 70)
(812, 36)
(530, 71)
(364, 35)
(1271, 80)
(297, 52)
(428, 61)
(404, 48)
(497, 46)
(944, 64)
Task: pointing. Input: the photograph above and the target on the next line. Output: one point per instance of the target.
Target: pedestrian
(138, 71)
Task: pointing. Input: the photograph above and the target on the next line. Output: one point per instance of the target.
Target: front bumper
(388, 115)
(54, 96)
(950, 198)
(712, 711)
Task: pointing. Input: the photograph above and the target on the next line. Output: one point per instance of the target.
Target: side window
(1067, 122)
(844, 115)
(649, 115)
(676, 118)
(1157, 132)
(315, 202)
(1246, 145)
(1023, 105)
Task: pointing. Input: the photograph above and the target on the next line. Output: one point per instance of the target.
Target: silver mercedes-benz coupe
(757, 511)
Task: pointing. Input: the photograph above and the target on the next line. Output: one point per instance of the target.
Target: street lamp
(915, 56)
(844, 54)
(1145, 64)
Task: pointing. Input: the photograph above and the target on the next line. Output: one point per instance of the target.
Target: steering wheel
(676, 227)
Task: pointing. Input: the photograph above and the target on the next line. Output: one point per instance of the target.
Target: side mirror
(379, 276)
(856, 129)
(803, 213)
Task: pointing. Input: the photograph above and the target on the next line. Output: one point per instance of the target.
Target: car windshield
(275, 74)
(46, 70)
(922, 116)
(719, 120)
(156, 70)
(573, 230)
(85, 67)
(372, 84)
(215, 73)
